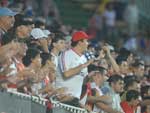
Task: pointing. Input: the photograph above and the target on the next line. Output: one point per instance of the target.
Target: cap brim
(13, 13)
(42, 37)
(7, 12)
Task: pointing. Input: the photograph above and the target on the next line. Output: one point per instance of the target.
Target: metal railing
(15, 102)
(70, 109)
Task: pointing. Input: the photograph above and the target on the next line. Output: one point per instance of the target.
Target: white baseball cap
(37, 33)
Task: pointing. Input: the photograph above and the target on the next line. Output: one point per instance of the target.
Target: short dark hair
(73, 44)
(27, 22)
(132, 94)
(129, 81)
(121, 59)
(39, 23)
(57, 37)
(31, 53)
(124, 52)
(92, 67)
(114, 78)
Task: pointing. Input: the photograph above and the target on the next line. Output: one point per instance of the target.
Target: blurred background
(121, 23)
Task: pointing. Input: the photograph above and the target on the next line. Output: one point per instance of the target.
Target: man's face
(22, 31)
(7, 21)
(84, 44)
(136, 86)
(118, 86)
(60, 45)
(124, 67)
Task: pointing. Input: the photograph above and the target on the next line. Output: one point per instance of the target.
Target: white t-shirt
(70, 59)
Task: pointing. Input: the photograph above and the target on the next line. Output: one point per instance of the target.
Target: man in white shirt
(73, 65)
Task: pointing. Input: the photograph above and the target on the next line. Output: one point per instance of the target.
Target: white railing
(36, 99)
(42, 101)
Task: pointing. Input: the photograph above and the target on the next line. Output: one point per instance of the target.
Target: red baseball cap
(79, 35)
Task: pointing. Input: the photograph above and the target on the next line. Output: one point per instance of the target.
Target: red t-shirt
(127, 108)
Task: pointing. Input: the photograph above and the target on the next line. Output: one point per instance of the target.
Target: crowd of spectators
(54, 60)
(118, 23)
